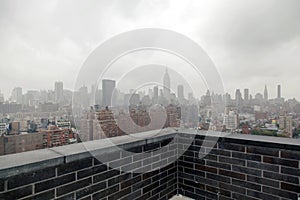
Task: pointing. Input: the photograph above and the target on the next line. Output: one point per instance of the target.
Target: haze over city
(252, 43)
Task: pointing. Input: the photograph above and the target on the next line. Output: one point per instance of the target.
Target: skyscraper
(83, 96)
(238, 98)
(266, 93)
(93, 94)
(238, 95)
(167, 85)
(108, 87)
(246, 94)
(17, 95)
(278, 91)
(58, 92)
(155, 92)
(180, 92)
(1, 97)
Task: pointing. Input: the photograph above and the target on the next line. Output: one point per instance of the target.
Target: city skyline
(179, 92)
(52, 47)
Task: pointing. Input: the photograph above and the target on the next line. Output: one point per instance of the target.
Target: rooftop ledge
(27, 161)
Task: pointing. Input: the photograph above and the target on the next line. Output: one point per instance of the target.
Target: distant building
(104, 123)
(231, 120)
(266, 97)
(48, 107)
(227, 99)
(98, 97)
(173, 116)
(180, 92)
(246, 94)
(107, 122)
(261, 115)
(59, 92)
(238, 99)
(1, 97)
(285, 123)
(10, 108)
(92, 98)
(167, 85)
(206, 99)
(108, 87)
(3, 128)
(50, 96)
(190, 115)
(19, 126)
(146, 100)
(245, 129)
(278, 91)
(56, 137)
(19, 143)
(83, 96)
(61, 123)
(259, 98)
(17, 95)
(31, 98)
(155, 92)
(134, 99)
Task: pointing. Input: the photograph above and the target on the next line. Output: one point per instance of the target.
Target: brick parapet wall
(234, 168)
(146, 167)
(124, 168)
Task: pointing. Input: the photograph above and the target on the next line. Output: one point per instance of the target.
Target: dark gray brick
(31, 177)
(73, 186)
(17, 193)
(52, 183)
(74, 166)
(263, 151)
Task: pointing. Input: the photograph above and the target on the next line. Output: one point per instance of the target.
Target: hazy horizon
(252, 43)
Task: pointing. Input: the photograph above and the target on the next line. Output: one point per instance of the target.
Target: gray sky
(252, 43)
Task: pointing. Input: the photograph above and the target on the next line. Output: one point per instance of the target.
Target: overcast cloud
(252, 43)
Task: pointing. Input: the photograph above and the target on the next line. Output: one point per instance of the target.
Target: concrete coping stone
(32, 160)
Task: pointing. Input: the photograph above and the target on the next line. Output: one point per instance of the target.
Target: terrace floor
(180, 197)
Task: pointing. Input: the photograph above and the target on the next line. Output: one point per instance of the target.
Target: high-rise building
(17, 95)
(58, 92)
(155, 92)
(227, 99)
(31, 98)
(98, 97)
(278, 91)
(108, 87)
(83, 96)
(238, 94)
(180, 92)
(246, 94)
(167, 85)
(266, 93)
(238, 98)
(1, 97)
(150, 92)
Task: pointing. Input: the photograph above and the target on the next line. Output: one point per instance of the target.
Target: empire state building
(167, 85)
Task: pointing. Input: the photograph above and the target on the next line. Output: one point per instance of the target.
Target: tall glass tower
(167, 85)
